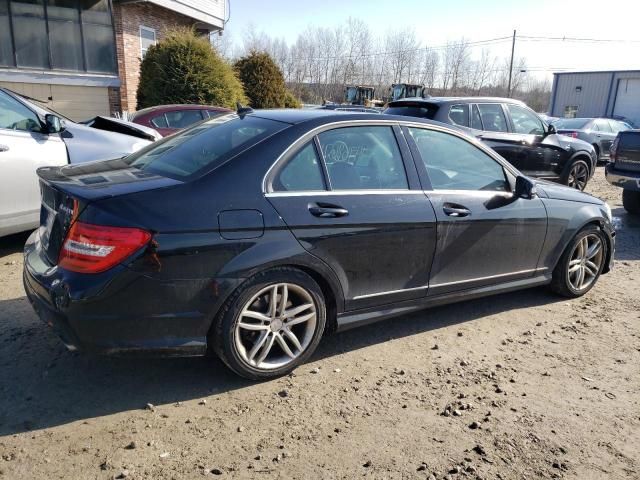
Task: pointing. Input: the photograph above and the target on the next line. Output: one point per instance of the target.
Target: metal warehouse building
(597, 94)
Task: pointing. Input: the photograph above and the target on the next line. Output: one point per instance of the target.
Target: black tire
(222, 337)
(560, 283)
(568, 177)
(631, 201)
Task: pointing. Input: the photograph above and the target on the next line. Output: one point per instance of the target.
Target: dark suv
(514, 131)
(624, 169)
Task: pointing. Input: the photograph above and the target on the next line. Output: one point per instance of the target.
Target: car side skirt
(353, 319)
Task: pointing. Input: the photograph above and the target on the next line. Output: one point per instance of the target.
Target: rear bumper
(121, 311)
(622, 178)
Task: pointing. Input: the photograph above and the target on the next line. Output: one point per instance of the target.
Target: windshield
(204, 146)
(398, 92)
(575, 123)
(351, 94)
(423, 110)
(38, 106)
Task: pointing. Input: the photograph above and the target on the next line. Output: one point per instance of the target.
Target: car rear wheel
(581, 263)
(272, 324)
(631, 201)
(578, 175)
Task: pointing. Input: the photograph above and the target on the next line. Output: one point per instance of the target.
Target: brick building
(82, 57)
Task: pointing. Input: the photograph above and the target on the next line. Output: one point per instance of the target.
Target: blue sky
(436, 22)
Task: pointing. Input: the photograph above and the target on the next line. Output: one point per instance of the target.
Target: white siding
(76, 102)
(210, 12)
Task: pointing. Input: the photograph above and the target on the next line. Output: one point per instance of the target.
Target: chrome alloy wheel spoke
(275, 326)
(585, 262)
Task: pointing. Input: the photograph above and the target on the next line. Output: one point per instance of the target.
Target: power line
(489, 41)
(540, 38)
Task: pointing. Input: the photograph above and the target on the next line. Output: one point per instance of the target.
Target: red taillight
(96, 248)
(570, 134)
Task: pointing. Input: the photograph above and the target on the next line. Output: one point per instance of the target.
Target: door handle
(4, 148)
(453, 210)
(326, 210)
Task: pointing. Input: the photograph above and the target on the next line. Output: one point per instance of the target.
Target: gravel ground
(522, 385)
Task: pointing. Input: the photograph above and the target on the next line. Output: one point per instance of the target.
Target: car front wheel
(581, 263)
(272, 324)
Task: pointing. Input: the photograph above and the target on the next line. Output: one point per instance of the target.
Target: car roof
(447, 100)
(321, 116)
(178, 106)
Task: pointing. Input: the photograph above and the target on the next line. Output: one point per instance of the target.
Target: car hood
(117, 125)
(85, 144)
(562, 192)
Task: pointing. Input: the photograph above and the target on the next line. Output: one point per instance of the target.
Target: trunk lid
(66, 192)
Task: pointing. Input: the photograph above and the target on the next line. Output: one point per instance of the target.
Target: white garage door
(628, 99)
(76, 102)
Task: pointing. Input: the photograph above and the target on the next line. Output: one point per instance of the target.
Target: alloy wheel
(578, 176)
(586, 260)
(275, 326)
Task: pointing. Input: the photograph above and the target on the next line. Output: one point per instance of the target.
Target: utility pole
(513, 47)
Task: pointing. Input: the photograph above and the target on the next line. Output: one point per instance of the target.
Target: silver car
(32, 137)
(599, 132)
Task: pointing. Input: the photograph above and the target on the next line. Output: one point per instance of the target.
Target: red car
(168, 119)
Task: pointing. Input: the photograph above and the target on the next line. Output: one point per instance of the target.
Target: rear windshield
(630, 140)
(576, 123)
(420, 110)
(204, 146)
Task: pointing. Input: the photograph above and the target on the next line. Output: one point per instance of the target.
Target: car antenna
(242, 111)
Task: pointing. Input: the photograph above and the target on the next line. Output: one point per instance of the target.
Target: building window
(147, 38)
(73, 35)
(570, 111)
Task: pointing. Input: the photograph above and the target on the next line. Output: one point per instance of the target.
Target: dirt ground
(533, 386)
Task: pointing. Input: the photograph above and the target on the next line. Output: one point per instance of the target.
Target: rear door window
(603, 125)
(459, 114)
(493, 119)
(420, 110)
(363, 158)
(183, 118)
(203, 147)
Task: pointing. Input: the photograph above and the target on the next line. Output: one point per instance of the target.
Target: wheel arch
(573, 230)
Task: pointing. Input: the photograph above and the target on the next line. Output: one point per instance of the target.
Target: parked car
(169, 119)
(599, 132)
(32, 137)
(252, 235)
(624, 169)
(514, 131)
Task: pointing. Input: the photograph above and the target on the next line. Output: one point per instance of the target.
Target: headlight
(607, 210)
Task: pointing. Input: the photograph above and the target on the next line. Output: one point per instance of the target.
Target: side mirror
(525, 188)
(54, 124)
(551, 129)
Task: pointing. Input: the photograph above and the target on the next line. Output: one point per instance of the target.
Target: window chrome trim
(390, 292)
(382, 122)
(425, 287)
(490, 277)
(311, 193)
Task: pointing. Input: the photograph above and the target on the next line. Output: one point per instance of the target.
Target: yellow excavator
(406, 90)
(361, 95)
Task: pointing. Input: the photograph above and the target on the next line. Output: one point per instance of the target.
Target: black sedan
(252, 234)
(514, 131)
